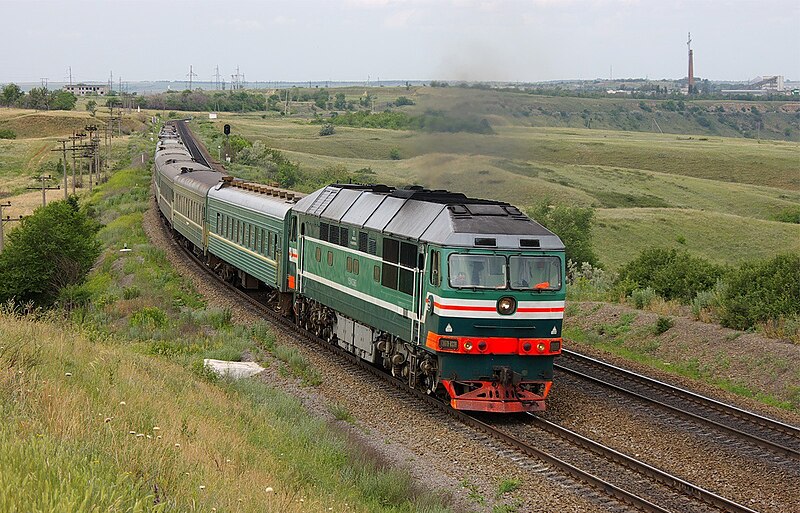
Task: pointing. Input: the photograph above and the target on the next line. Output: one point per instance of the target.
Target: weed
(507, 485)
(339, 412)
(474, 494)
(149, 317)
(663, 324)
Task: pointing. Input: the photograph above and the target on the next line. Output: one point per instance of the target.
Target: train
(459, 297)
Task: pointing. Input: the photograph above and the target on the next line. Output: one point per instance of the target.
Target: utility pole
(72, 149)
(63, 151)
(6, 219)
(44, 187)
(216, 78)
(111, 82)
(70, 75)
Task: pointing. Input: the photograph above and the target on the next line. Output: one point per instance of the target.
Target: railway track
(580, 461)
(187, 137)
(739, 426)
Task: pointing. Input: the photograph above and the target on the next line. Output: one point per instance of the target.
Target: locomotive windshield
(495, 272)
(478, 271)
(535, 272)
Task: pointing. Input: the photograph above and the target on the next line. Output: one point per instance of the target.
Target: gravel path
(447, 456)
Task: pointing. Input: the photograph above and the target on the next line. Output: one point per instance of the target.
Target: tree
(37, 98)
(51, 249)
(62, 100)
(11, 93)
(340, 103)
(91, 106)
(573, 225)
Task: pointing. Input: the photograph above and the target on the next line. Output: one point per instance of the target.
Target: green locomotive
(461, 297)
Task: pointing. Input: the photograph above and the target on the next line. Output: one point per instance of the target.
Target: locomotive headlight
(468, 346)
(506, 305)
(540, 347)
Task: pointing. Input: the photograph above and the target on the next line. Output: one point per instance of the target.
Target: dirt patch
(715, 354)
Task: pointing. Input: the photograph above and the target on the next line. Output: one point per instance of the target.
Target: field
(716, 196)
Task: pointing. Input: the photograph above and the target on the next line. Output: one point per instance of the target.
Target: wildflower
(178, 445)
(107, 419)
(149, 437)
(139, 435)
(131, 432)
(68, 374)
(202, 487)
(269, 489)
(156, 428)
(159, 437)
(122, 403)
(227, 460)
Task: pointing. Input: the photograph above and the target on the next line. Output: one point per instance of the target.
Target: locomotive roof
(440, 217)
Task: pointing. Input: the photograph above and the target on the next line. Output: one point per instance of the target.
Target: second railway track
(783, 440)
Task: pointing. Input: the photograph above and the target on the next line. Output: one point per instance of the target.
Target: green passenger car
(247, 230)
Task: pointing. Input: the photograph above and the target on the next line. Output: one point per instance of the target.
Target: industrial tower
(692, 88)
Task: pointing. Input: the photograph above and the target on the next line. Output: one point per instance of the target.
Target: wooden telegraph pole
(6, 219)
(44, 187)
(63, 151)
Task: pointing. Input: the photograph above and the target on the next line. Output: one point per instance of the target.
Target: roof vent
(529, 243)
(486, 242)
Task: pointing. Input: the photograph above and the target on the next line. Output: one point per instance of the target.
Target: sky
(355, 40)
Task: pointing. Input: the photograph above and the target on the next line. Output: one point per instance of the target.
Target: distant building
(86, 89)
(762, 85)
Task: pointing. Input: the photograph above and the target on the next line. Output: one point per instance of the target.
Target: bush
(394, 154)
(672, 274)
(327, 129)
(49, 250)
(403, 101)
(762, 291)
(663, 324)
(7, 133)
(642, 298)
(789, 215)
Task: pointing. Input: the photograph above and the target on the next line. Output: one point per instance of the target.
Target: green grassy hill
(720, 196)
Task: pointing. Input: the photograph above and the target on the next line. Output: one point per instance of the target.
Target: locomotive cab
(494, 322)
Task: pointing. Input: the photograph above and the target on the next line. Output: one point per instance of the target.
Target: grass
(74, 385)
(69, 405)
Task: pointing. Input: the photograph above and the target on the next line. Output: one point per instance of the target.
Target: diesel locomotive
(460, 297)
